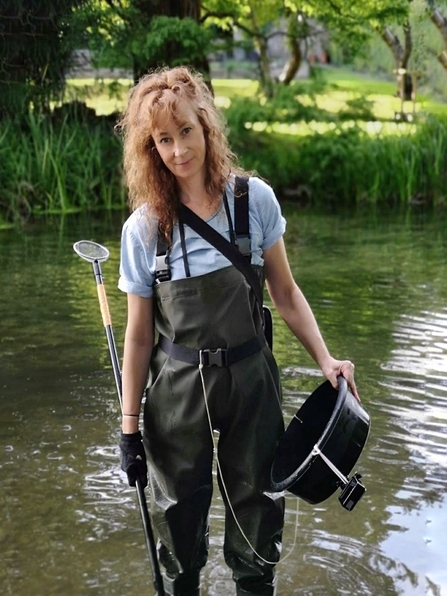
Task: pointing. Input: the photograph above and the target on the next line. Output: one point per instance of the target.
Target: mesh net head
(91, 251)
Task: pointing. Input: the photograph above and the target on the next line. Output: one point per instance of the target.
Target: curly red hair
(154, 98)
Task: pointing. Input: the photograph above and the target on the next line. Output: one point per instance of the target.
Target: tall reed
(68, 165)
(59, 166)
(347, 166)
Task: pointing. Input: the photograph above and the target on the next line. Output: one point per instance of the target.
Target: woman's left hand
(333, 368)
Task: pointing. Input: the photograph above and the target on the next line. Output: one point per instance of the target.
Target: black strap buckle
(244, 245)
(162, 270)
(218, 357)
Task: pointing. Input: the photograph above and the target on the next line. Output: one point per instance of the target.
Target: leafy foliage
(350, 21)
(140, 36)
(290, 105)
(191, 40)
(36, 43)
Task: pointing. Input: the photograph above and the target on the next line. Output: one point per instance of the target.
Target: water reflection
(70, 525)
(416, 382)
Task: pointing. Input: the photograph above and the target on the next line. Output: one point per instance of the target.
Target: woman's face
(181, 145)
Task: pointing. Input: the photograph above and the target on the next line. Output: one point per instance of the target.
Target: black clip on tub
(321, 446)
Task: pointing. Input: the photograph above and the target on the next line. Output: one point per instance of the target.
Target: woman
(176, 153)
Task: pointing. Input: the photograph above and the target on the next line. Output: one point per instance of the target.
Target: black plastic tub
(330, 421)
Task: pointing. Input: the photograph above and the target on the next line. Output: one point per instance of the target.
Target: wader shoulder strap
(162, 268)
(241, 216)
(226, 248)
(239, 255)
(241, 233)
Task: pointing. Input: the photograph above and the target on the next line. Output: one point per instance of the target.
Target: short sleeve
(137, 266)
(267, 211)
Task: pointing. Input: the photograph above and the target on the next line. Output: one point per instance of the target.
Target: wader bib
(208, 312)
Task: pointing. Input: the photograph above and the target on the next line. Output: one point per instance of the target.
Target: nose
(179, 148)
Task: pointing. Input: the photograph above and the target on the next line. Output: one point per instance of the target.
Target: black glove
(133, 458)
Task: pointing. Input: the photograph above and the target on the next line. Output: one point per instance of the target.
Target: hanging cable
(227, 496)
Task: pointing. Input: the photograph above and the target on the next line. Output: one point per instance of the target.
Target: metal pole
(147, 527)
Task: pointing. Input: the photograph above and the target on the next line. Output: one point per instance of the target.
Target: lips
(184, 163)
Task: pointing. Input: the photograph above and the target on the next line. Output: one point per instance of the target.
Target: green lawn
(382, 92)
(104, 96)
(109, 95)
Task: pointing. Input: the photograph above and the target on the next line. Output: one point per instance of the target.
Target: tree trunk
(401, 55)
(408, 45)
(260, 42)
(294, 62)
(440, 23)
(264, 63)
(393, 42)
(442, 58)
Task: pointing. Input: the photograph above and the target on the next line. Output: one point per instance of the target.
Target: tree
(354, 21)
(35, 50)
(298, 28)
(440, 22)
(256, 20)
(351, 20)
(146, 34)
(402, 54)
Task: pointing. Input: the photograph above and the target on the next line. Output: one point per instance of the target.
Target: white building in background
(83, 68)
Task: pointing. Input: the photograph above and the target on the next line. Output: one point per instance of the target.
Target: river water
(69, 523)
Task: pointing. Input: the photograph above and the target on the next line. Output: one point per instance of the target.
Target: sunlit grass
(373, 128)
(383, 106)
(222, 102)
(235, 87)
(335, 99)
(110, 95)
(105, 96)
(359, 82)
(379, 90)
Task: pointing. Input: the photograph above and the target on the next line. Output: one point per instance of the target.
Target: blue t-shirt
(139, 240)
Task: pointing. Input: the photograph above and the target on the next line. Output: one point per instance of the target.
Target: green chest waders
(218, 314)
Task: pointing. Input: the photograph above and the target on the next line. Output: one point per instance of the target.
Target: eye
(187, 130)
(164, 140)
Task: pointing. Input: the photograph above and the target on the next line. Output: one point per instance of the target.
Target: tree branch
(217, 15)
(442, 58)
(234, 18)
(393, 42)
(440, 22)
(408, 44)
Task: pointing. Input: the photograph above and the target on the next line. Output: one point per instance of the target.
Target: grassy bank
(317, 144)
